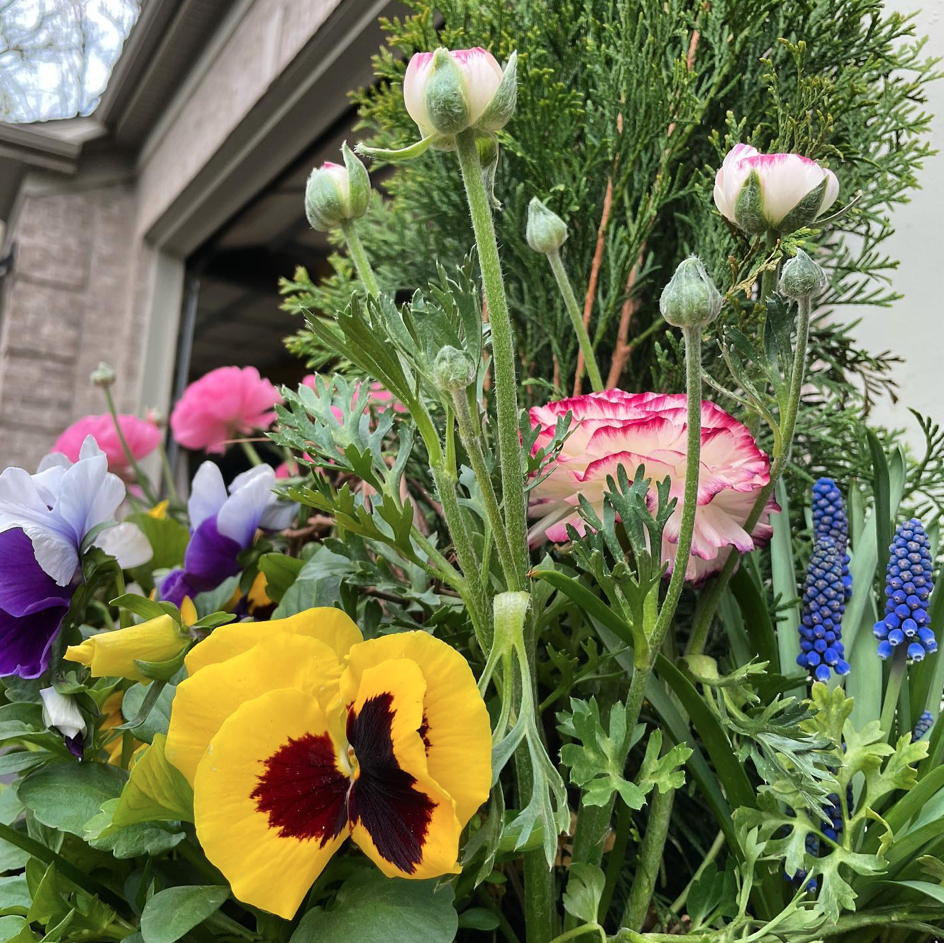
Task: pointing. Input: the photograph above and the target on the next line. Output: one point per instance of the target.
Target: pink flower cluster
(614, 428)
(142, 436)
(222, 405)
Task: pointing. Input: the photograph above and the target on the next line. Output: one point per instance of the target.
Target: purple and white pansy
(44, 519)
(222, 526)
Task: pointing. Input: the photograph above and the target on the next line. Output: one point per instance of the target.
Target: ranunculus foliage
(614, 428)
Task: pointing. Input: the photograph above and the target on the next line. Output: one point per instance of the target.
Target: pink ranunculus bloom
(785, 181)
(614, 428)
(142, 436)
(479, 75)
(224, 404)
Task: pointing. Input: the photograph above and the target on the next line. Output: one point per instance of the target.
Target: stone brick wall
(66, 306)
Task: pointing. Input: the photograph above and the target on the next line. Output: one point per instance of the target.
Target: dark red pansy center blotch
(302, 791)
(395, 814)
(305, 796)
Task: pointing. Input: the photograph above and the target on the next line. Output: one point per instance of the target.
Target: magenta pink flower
(142, 436)
(224, 404)
(614, 428)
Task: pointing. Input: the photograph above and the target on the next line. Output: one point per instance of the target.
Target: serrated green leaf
(585, 884)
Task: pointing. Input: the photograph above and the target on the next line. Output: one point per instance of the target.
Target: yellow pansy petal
(159, 511)
(203, 702)
(257, 596)
(331, 626)
(188, 611)
(399, 816)
(112, 717)
(269, 800)
(458, 733)
(112, 654)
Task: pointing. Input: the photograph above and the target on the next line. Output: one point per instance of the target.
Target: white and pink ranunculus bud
(448, 91)
(783, 192)
(336, 193)
(614, 428)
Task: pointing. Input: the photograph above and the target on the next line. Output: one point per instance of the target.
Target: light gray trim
(308, 96)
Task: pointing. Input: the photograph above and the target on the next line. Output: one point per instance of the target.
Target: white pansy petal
(242, 512)
(127, 544)
(53, 460)
(243, 479)
(90, 495)
(55, 552)
(278, 514)
(60, 711)
(207, 494)
(89, 448)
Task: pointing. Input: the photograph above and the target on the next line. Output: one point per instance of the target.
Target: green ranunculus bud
(335, 193)
(103, 375)
(453, 370)
(801, 277)
(690, 299)
(546, 231)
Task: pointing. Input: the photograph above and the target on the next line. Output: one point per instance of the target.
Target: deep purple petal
(210, 557)
(24, 586)
(175, 587)
(25, 641)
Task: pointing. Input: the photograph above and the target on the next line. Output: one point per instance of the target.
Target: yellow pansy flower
(113, 654)
(296, 734)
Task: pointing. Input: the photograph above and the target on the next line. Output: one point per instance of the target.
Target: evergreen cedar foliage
(625, 110)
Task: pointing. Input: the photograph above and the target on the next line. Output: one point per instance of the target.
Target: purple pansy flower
(43, 520)
(222, 526)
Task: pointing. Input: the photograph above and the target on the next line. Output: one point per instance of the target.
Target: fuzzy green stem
(589, 835)
(471, 440)
(712, 596)
(139, 477)
(249, 450)
(67, 870)
(650, 858)
(169, 486)
(477, 600)
(713, 853)
(359, 257)
(768, 281)
(614, 863)
(503, 350)
(895, 677)
(580, 931)
(580, 329)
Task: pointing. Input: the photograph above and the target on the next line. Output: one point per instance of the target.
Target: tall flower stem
(359, 257)
(590, 833)
(650, 858)
(892, 689)
(503, 349)
(712, 596)
(570, 303)
(141, 480)
(471, 440)
(249, 450)
(169, 486)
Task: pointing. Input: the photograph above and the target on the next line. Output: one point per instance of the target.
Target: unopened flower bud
(448, 91)
(103, 375)
(546, 231)
(690, 299)
(783, 192)
(335, 193)
(801, 277)
(453, 370)
(62, 712)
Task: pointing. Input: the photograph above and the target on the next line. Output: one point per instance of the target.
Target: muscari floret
(908, 586)
(821, 648)
(924, 724)
(830, 521)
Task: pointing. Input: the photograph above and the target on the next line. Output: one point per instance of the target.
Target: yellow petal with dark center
(457, 730)
(331, 626)
(399, 816)
(203, 702)
(269, 800)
